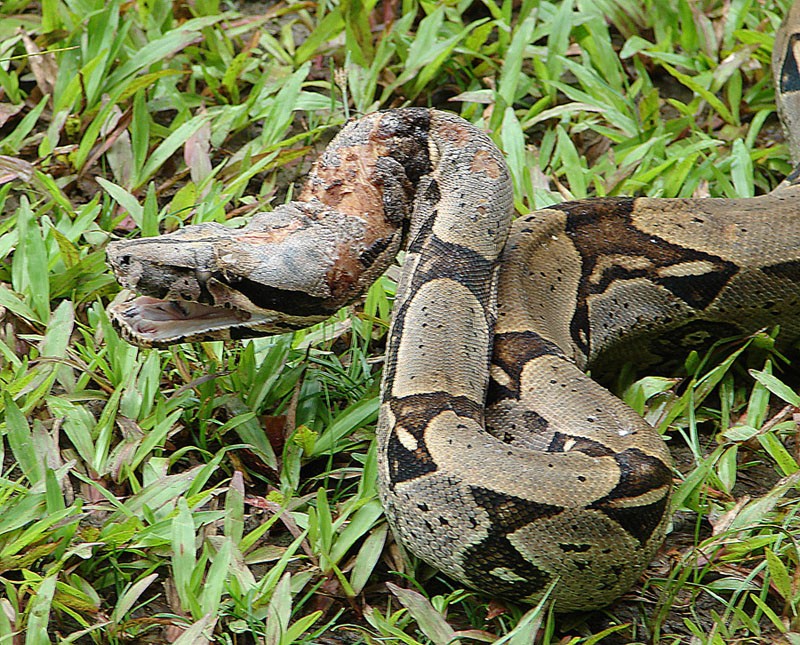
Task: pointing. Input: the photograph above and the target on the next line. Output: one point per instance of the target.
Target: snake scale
(501, 462)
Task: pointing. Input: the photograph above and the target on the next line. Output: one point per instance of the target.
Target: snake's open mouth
(153, 322)
(181, 298)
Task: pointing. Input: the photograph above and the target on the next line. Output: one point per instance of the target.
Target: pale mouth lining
(160, 321)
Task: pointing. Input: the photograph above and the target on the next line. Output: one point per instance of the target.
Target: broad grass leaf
(361, 522)
(233, 526)
(130, 596)
(776, 386)
(127, 201)
(169, 146)
(349, 420)
(36, 632)
(368, 557)
(20, 440)
(430, 621)
(198, 633)
(279, 611)
(512, 62)
(216, 578)
(183, 555)
(781, 579)
(163, 48)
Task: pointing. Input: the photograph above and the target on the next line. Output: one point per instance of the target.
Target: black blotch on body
(439, 258)
(456, 262)
(604, 227)
(640, 474)
(422, 234)
(579, 444)
(790, 75)
(534, 421)
(414, 414)
(789, 270)
(511, 352)
(432, 192)
(373, 252)
(698, 291)
(638, 521)
(405, 464)
(506, 515)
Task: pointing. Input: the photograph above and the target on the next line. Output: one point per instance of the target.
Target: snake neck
(458, 227)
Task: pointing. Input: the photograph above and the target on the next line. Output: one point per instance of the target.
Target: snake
(501, 462)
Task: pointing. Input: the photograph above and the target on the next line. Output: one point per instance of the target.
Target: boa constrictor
(501, 463)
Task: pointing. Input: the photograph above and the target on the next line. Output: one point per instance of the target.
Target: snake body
(501, 462)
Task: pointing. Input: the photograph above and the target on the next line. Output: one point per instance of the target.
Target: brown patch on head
(345, 276)
(484, 162)
(346, 182)
(269, 236)
(456, 134)
(369, 171)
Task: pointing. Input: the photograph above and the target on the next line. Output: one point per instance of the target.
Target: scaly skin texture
(500, 461)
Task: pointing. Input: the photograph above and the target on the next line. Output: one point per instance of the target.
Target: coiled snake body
(501, 463)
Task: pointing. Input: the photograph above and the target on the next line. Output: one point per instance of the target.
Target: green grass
(226, 494)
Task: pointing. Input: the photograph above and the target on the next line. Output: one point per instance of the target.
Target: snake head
(185, 292)
(286, 270)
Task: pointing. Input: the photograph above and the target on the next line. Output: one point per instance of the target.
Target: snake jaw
(183, 299)
(183, 287)
(155, 322)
